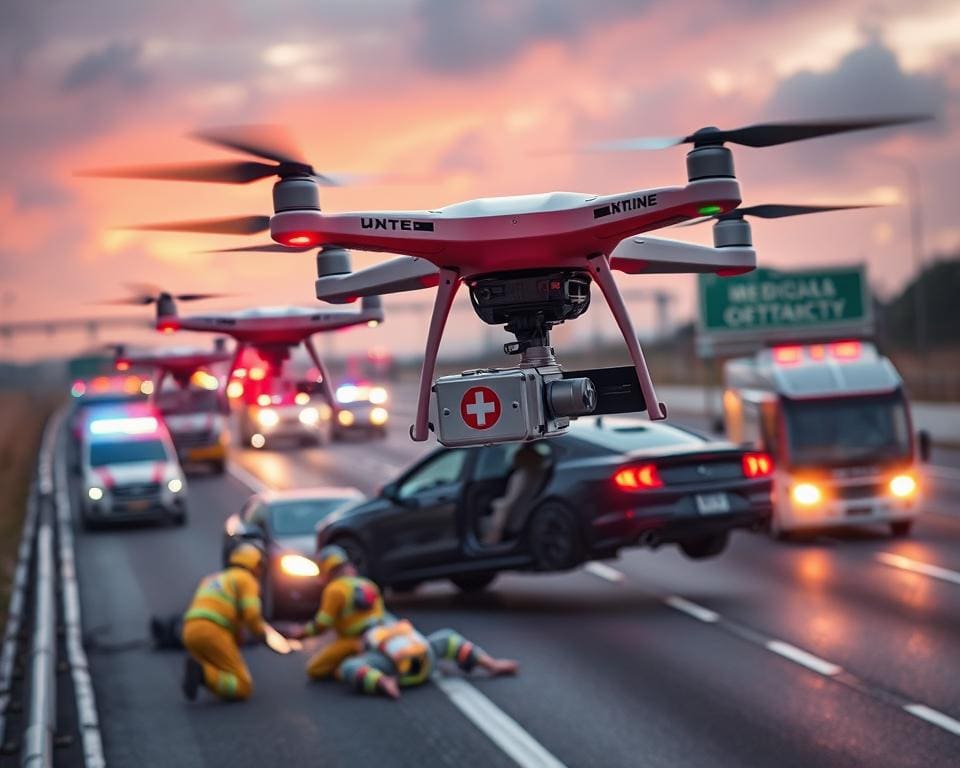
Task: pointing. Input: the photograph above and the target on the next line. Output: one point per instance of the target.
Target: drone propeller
(268, 142)
(262, 248)
(773, 211)
(147, 293)
(760, 134)
(234, 225)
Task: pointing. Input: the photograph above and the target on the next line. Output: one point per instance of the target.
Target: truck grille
(136, 491)
(860, 491)
(191, 439)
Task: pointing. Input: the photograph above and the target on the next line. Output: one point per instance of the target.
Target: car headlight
(379, 416)
(346, 418)
(268, 418)
(298, 565)
(175, 485)
(301, 398)
(95, 493)
(806, 494)
(378, 395)
(903, 486)
(309, 416)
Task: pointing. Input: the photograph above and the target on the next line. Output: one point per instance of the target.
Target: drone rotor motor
(732, 232)
(296, 193)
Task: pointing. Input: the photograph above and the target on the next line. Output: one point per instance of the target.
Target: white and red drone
(527, 260)
(271, 331)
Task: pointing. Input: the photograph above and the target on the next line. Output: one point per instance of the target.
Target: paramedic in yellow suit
(225, 603)
(350, 605)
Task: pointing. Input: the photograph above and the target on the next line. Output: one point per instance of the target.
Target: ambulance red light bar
(845, 350)
(838, 350)
(787, 355)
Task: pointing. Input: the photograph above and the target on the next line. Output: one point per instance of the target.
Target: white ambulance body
(837, 422)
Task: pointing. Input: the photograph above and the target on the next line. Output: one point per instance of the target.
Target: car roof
(310, 494)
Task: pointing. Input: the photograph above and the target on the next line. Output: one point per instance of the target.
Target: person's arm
(248, 603)
(331, 605)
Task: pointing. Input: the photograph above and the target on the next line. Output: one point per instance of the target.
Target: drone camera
(550, 297)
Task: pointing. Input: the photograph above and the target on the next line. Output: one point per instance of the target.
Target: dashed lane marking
(804, 659)
(499, 727)
(605, 572)
(916, 566)
(246, 477)
(818, 665)
(692, 609)
(934, 717)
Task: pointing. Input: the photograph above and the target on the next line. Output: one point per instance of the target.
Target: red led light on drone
(297, 239)
(168, 326)
(123, 365)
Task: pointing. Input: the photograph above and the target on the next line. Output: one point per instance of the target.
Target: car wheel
(705, 546)
(356, 552)
(405, 587)
(901, 528)
(473, 582)
(218, 467)
(554, 537)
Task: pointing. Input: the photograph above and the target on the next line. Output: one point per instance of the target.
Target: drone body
(271, 331)
(528, 262)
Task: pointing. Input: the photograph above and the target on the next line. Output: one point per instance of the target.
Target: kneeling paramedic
(350, 605)
(224, 604)
(396, 655)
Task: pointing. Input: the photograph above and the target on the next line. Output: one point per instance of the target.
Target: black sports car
(610, 482)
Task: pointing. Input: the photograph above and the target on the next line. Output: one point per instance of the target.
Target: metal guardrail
(47, 552)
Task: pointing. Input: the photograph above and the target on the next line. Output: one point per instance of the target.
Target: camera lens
(572, 397)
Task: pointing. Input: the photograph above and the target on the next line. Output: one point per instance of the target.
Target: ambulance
(837, 422)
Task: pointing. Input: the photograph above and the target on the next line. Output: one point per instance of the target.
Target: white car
(130, 471)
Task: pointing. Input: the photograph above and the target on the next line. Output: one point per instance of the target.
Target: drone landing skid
(449, 282)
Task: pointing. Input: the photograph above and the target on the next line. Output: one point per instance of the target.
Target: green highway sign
(767, 304)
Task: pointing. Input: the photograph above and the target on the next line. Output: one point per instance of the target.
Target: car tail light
(757, 465)
(639, 478)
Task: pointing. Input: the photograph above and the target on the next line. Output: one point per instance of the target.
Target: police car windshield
(126, 452)
(844, 431)
(298, 518)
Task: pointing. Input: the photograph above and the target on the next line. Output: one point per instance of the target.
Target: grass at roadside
(22, 417)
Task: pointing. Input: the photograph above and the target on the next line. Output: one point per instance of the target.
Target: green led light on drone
(709, 210)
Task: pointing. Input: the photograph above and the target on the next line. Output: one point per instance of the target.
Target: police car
(361, 409)
(129, 470)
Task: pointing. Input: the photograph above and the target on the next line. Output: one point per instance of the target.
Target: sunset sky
(477, 97)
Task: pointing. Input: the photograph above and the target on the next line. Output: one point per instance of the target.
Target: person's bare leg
(389, 686)
(498, 667)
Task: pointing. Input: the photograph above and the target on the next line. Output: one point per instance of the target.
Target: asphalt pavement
(836, 650)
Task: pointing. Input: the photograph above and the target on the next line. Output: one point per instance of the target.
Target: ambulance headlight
(309, 416)
(346, 418)
(806, 494)
(175, 485)
(95, 493)
(268, 418)
(378, 416)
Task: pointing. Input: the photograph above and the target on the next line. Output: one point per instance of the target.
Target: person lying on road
(396, 656)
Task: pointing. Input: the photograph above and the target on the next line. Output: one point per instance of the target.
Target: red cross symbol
(480, 408)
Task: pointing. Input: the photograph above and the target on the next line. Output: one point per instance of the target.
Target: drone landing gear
(600, 271)
(325, 384)
(446, 292)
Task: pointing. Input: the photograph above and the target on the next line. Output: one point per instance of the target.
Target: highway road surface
(841, 650)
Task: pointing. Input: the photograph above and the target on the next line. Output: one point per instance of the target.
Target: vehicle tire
(473, 582)
(179, 518)
(554, 537)
(218, 467)
(357, 553)
(405, 587)
(901, 528)
(705, 546)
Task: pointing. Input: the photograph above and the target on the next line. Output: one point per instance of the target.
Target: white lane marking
(499, 727)
(246, 477)
(692, 609)
(915, 566)
(801, 657)
(934, 717)
(604, 571)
